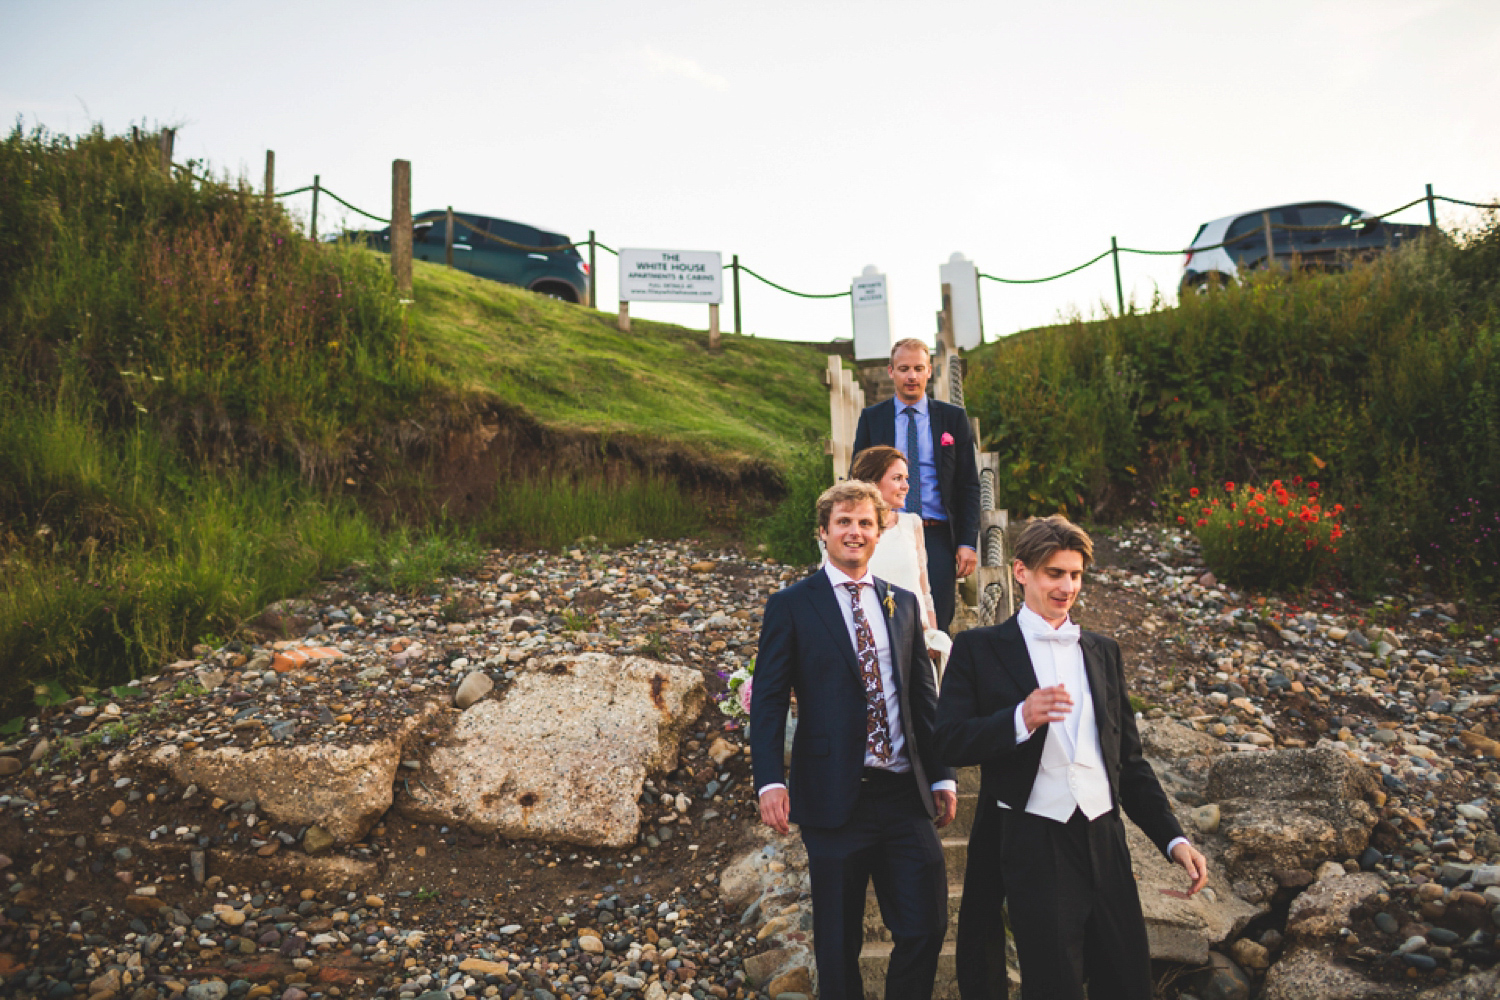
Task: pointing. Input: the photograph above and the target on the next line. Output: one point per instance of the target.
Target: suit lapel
(826, 602)
(895, 627)
(1011, 651)
(888, 422)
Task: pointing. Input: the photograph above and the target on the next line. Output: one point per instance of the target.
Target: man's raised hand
(775, 807)
(1046, 705)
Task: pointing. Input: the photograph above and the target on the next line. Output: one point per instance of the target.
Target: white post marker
(673, 276)
(962, 277)
(870, 301)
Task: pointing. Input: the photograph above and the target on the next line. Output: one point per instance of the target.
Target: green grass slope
(202, 412)
(572, 369)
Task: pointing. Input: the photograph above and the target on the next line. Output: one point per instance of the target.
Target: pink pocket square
(946, 439)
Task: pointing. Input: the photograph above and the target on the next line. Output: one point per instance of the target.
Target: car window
(550, 239)
(1247, 223)
(433, 232)
(514, 232)
(1326, 213)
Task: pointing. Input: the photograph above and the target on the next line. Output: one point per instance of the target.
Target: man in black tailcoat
(1041, 706)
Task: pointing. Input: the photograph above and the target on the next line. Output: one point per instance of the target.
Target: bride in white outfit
(901, 554)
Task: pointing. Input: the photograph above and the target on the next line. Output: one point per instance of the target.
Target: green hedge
(1380, 382)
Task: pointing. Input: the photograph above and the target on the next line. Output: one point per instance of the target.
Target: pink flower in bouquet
(744, 694)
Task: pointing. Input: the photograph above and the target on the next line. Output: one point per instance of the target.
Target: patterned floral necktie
(877, 725)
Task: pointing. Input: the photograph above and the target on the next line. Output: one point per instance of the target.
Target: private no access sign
(671, 276)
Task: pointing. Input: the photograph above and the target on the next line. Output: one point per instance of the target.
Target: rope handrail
(350, 207)
(783, 288)
(511, 243)
(1054, 277)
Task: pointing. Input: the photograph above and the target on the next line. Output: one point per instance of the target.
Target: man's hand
(947, 807)
(966, 563)
(1192, 862)
(1045, 705)
(776, 806)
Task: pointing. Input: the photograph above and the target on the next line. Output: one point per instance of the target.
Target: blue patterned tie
(913, 463)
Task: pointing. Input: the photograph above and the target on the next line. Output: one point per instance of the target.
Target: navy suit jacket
(805, 647)
(958, 473)
(990, 673)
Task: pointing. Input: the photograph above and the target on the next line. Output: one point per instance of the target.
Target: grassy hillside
(202, 412)
(572, 369)
(1380, 383)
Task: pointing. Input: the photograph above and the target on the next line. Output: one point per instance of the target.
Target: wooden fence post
(448, 243)
(624, 316)
(1265, 220)
(401, 224)
(1431, 208)
(270, 177)
(593, 275)
(312, 223)
(713, 326)
(167, 137)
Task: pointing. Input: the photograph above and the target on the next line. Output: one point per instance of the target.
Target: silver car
(1322, 235)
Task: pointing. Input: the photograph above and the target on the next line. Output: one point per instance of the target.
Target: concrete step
(875, 929)
(876, 957)
(968, 780)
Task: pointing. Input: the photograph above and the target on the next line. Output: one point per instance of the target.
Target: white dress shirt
(1071, 773)
(869, 601)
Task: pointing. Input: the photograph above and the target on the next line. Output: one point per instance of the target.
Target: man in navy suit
(939, 450)
(865, 786)
(1041, 707)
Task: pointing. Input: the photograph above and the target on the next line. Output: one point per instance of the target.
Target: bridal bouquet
(735, 702)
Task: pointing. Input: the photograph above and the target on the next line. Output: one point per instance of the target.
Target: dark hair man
(1041, 706)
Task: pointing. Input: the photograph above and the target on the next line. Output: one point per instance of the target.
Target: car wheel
(553, 290)
(1209, 281)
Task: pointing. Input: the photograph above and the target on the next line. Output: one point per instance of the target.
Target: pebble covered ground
(113, 887)
(1406, 683)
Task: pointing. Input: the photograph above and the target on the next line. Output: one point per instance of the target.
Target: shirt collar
(838, 577)
(1030, 621)
(921, 405)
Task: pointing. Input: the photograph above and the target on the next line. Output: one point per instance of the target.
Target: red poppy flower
(1193, 492)
(1229, 487)
(1181, 519)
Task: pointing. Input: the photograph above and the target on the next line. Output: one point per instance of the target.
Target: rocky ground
(124, 878)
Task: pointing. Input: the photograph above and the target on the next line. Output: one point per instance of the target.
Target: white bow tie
(1065, 635)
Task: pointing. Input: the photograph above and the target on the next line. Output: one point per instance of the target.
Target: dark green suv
(516, 254)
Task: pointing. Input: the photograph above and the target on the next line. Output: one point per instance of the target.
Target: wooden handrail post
(401, 224)
(165, 140)
(1265, 220)
(270, 177)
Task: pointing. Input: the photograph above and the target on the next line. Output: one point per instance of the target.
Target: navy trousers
(941, 575)
(890, 839)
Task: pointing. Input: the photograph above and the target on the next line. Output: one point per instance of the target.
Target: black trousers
(889, 839)
(980, 953)
(1074, 909)
(941, 574)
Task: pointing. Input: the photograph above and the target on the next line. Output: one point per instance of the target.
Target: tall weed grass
(1380, 382)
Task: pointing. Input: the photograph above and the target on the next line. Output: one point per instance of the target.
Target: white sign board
(871, 301)
(968, 323)
(671, 276)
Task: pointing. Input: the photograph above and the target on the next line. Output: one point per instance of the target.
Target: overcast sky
(810, 138)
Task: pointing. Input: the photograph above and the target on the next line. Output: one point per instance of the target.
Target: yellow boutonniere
(890, 604)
